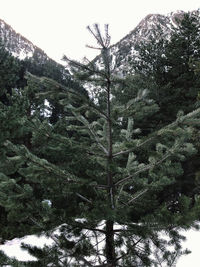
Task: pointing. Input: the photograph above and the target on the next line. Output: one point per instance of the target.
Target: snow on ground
(192, 243)
(12, 248)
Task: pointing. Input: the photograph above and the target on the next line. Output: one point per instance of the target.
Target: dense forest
(105, 165)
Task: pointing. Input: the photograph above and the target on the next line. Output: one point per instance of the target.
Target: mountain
(21, 47)
(36, 60)
(36, 64)
(153, 25)
(18, 45)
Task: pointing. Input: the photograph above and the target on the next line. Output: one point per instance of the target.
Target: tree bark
(110, 247)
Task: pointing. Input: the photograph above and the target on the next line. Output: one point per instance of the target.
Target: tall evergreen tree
(168, 67)
(166, 63)
(95, 178)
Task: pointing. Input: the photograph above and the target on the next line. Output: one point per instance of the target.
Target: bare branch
(92, 47)
(84, 198)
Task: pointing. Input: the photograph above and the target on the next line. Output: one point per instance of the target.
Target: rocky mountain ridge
(121, 52)
(153, 25)
(18, 45)
(36, 60)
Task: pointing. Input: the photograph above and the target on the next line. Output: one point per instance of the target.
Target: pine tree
(96, 178)
(168, 67)
(166, 64)
(12, 77)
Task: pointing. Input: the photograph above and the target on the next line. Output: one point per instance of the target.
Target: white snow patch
(12, 248)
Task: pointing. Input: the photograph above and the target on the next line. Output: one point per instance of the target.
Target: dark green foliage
(99, 181)
(183, 47)
(170, 70)
(42, 66)
(11, 73)
(166, 64)
(6, 261)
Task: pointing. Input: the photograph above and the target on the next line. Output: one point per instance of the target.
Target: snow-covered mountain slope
(37, 61)
(18, 45)
(153, 25)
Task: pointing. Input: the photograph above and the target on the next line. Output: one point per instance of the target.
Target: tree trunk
(110, 247)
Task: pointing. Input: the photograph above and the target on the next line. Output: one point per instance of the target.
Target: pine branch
(95, 154)
(97, 35)
(133, 149)
(47, 166)
(144, 169)
(128, 251)
(84, 67)
(97, 247)
(85, 261)
(93, 47)
(85, 122)
(84, 198)
(141, 193)
(67, 90)
(184, 121)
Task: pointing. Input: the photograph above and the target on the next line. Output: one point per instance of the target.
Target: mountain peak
(156, 25)
(17, 44)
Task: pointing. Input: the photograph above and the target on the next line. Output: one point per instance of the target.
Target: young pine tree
(99, 180)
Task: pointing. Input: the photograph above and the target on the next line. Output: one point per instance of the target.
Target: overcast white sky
(59, 27)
